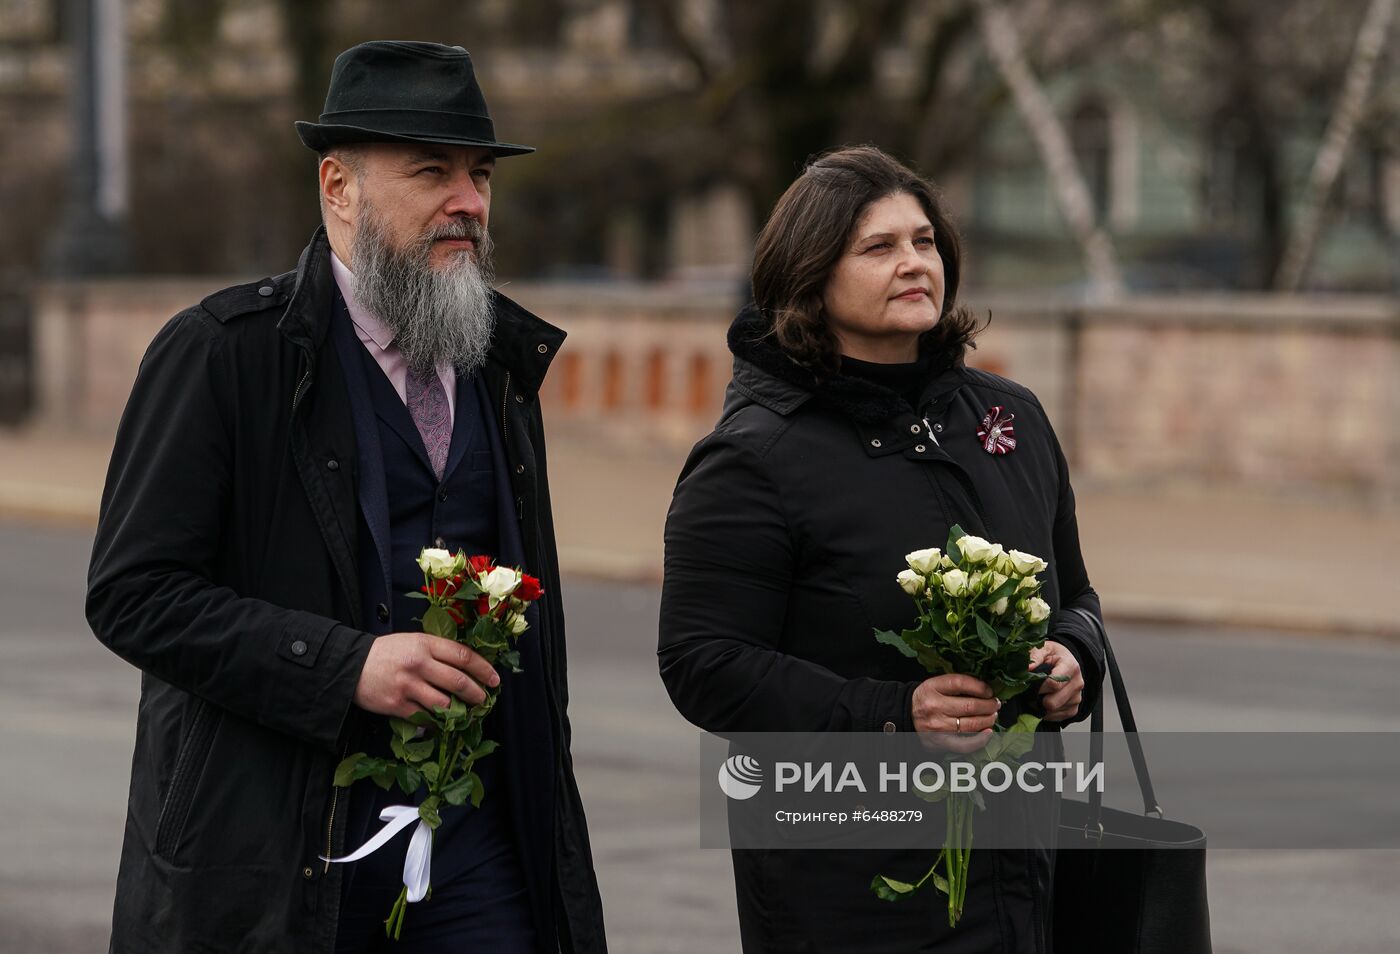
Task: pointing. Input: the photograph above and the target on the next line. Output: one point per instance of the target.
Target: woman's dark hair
(807, 233)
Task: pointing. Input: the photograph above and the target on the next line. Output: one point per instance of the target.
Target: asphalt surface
(68, 707)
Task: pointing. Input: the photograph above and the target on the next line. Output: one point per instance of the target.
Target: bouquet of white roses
(980, 614)
(474, 602)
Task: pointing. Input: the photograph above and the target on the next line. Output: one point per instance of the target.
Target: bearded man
(288, 448)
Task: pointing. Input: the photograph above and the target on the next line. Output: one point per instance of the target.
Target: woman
(849, 438)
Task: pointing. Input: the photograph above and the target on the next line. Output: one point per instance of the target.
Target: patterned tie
(427, 403)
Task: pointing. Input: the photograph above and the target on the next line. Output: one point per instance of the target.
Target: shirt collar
(367, 323)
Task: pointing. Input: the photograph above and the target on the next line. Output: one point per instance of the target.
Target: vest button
(520, 468)
(266, 291)
(440, 543)
(299, 648)
(890, 728)
(382, 612)
(332, 464)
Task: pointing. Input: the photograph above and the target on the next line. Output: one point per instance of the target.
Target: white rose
(999, 607)
(994, 580)
(1025, 563)
(974, 582)
(515, 624)
(946, 563)
(438, 564)
(1036, 610)
(924, 562)
(910, 582)
(977, 550)
(1029, 583)
(499, 582)
(955, 583)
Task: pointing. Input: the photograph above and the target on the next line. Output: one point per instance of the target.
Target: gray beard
(439, 316)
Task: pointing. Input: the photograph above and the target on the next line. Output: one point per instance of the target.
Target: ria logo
(740, 777)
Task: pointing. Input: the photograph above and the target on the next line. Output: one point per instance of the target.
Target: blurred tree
(1271, 73)
(776, 82)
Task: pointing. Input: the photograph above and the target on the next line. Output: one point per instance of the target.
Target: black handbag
(1127, 883)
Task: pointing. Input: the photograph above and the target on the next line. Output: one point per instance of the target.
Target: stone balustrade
(1266, 392)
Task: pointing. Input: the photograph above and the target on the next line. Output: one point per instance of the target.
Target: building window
(1093, 150)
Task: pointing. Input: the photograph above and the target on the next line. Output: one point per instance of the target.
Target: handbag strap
(1125, 716)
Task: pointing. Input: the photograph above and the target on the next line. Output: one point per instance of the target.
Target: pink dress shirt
(379, 341)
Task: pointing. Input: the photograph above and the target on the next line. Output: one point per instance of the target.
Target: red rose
(480, 564)
(440, 588)
(483, 605)
(529, 589)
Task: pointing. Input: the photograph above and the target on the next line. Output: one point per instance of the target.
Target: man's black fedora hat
(401, 91)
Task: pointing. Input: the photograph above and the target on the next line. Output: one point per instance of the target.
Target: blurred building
(624, 188)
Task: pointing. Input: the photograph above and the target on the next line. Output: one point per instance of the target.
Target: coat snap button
(520, 468)
(440, 543)
(919, 448)
(913, 428)
(307, 873)
(332, 464)
(938, 428)
(382, 612)
(299, 648)
(543, 349)
(266, 291)
(890, 727)
(875, 442)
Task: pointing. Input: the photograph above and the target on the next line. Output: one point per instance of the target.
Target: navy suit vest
(404, 509)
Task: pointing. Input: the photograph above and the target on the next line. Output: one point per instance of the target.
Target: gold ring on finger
(957, 724)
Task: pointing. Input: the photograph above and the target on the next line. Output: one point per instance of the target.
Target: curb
(69, 507)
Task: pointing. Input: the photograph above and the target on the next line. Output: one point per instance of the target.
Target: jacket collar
(522, 343)
(764, 374)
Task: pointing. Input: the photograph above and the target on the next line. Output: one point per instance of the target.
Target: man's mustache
(464, 228)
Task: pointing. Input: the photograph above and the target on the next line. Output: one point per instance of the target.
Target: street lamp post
(91, 238)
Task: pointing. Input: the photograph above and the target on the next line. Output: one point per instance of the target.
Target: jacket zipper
(330, 822)
(505, 395)
(335, 792)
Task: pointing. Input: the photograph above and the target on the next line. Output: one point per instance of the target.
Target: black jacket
(788, 525)
(225, 569)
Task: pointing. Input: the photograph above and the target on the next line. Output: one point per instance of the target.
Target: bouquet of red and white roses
(980, 614)
(472, 601)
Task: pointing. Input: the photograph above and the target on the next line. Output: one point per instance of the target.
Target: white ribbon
(417, 863)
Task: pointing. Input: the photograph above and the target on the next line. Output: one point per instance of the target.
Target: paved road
(67, 710)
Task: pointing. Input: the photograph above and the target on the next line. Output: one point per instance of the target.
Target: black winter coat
(788, 525)
(225, 568)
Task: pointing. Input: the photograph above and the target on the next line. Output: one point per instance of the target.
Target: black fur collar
(864, 402)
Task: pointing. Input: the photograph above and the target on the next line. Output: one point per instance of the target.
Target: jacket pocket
(189, 766)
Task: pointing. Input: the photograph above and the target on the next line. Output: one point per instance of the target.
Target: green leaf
(430, 772)
(892, 639)
(396, 746)
(439, 622)
(346, 772)
(416, 596)
(483, 750)
(888, 889)
(403, 728)
(456, 793)
(429, 814)
(511, 657)
(478, 792)
(986, 634)
(420, 750)
(954, 551)
(939, 882)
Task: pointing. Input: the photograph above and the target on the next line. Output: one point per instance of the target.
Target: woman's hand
(955, 704)
(1060, 699)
